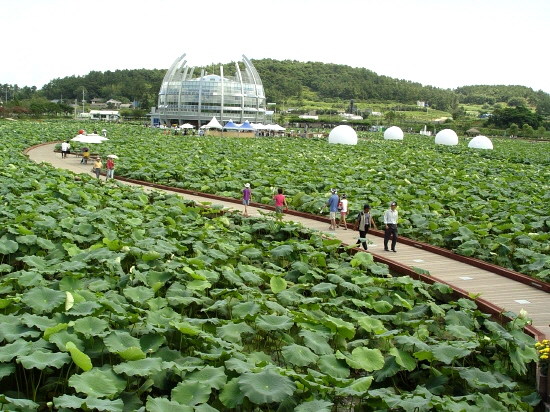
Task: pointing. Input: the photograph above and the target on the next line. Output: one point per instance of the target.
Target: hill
(295, 81)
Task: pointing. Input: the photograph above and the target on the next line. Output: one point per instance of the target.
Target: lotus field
(114, 299)
(492, 205)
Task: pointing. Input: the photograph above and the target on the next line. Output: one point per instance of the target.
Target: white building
(106, 115)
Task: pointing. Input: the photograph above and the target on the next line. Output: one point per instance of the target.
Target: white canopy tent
(212, 124)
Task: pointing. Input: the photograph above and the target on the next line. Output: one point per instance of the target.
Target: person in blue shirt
(332, 203)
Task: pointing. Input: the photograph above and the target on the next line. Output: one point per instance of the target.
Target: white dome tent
(343, 134)
(481, 142)
(446, 137)
(393, 133)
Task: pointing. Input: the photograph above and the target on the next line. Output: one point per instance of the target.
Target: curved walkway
(499, 290)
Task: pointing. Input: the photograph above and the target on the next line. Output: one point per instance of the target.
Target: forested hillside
(285, 80)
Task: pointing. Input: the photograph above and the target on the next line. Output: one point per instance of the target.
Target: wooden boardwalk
(497, 293)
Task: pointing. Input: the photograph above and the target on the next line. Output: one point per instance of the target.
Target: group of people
(110, 168)
(279, 198)
(363, 221)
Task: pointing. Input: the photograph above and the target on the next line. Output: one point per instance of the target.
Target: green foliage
(201, 326)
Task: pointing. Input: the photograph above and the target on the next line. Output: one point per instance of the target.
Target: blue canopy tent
(231, 126)
(247, 127)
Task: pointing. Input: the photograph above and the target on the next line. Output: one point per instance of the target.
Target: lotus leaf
(331, 366)
(191, 393)
(209, 376)
(266, 386)
(314, 406)
(232, 331)
(238, 365)
(140, 367)
(11, 350)
(299, 355)
(116, 405)
(447, 354)
(8, 246)
(241, 310)
(278, 284)
(6, 369)
(79, 358)
(282, 251)
(91, 326)
(41, 360)
(40, 322)
(403, 359)
(274, 322)
(11, 330)
(231, 395)
(118, 341)
(316, 341)
(365, 358)
(346, 329)
(97, 383)
(163, 405)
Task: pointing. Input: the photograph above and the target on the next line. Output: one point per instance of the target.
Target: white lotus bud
(523, 314)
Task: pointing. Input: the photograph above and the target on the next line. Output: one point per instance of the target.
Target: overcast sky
(443, 43)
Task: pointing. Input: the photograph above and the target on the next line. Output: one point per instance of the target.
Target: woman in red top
(280, 201)
(110, 169)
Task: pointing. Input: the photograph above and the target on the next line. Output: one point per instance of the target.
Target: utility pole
(83, 101)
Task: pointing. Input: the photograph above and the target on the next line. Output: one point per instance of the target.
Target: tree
(543, 103)
(389, 116)
(527, 130)
(513, 129)
(517, 101)
(519, 115)
(540, 132)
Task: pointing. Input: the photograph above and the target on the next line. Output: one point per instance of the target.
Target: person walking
(65, 147)
(343, 207)
(110, 169)
(363, 222)
(97, 167)
(332, 204)
(247, 196)
(390, 222)
(280, 201)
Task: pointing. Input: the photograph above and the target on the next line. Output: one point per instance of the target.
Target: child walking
(280, 201)
(247, 196)
(363, 222)
(343, 211)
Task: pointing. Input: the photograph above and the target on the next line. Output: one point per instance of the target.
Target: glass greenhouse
(189, 96)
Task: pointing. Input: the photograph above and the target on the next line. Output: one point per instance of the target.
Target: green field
(114, 299)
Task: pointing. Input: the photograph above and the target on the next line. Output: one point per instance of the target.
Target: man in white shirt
(390, 228)
(65, 147)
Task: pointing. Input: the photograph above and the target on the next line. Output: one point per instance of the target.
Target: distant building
(192, 95)
(106, 115)
(420, 104)
(113, 102)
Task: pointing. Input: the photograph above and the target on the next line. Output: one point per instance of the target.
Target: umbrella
(113, 156)
(187, 126)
